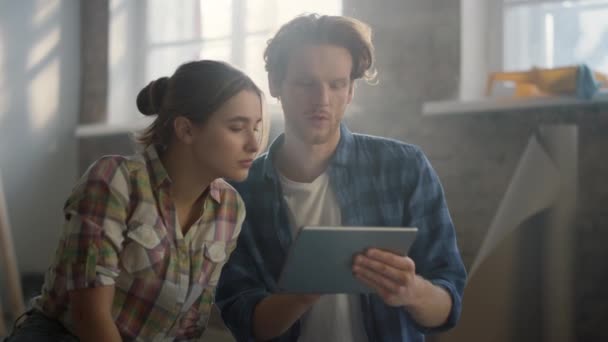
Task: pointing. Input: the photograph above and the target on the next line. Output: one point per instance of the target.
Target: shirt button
(217, 252)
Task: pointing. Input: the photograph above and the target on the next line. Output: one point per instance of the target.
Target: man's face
(315, 92)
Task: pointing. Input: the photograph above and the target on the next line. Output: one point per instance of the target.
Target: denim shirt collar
(342, 156)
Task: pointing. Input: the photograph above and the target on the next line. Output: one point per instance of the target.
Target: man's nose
(322, 94)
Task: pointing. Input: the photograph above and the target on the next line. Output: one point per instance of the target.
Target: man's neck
(302, 162)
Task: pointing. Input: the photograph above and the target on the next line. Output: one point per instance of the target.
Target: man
(319, 173)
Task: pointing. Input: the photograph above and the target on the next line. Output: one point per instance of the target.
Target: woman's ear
(184, 130)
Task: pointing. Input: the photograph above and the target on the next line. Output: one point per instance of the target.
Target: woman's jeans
(37, 327)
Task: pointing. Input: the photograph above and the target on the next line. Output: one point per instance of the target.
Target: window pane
(556, 34)
(170, 21)
(163, 61)
(287, 10)
(254, 61)
(216, 17)
(261, 15)
(268, 15)
(218, 50)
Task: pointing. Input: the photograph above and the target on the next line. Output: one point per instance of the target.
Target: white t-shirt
(333, 317)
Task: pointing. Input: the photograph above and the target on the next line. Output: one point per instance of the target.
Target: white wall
(39, 99)
(480, 45)
(126, 62)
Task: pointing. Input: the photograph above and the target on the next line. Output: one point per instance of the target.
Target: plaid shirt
(121, 229)
(378, 182)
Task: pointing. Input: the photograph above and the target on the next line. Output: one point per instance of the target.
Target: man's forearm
(433, 306)
(275, 314)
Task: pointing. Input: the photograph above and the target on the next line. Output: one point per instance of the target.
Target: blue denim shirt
(377, 182)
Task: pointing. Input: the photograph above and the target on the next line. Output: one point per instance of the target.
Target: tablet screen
(320, 259)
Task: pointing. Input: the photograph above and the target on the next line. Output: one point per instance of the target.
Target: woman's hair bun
(150, 98)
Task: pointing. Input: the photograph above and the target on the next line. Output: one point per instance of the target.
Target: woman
(145, 237)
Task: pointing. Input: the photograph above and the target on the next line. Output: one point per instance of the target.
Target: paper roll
(535, 186)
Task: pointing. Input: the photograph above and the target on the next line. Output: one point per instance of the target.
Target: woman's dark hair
(195, 91)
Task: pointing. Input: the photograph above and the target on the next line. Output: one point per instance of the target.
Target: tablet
(320, 259)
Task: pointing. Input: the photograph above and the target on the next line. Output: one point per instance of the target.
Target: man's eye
(236, 128)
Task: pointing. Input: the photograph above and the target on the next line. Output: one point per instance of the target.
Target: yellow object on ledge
(545, 82)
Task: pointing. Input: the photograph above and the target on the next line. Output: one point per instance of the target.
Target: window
(515, 35)
(555, 33)
(169, 33)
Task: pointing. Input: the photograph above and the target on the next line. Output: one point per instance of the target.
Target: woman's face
(227, 143)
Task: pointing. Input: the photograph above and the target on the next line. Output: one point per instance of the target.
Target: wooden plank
(2, 326)
(9, 260)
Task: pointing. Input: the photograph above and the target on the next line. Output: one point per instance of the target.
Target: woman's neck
(188, 183)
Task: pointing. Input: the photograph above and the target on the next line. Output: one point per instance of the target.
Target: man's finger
(392, 259)
(376, 278)
(397, 275)
(378, 288)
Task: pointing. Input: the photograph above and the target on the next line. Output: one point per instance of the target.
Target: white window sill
(128, 127)
(107, 128)
(481, 106)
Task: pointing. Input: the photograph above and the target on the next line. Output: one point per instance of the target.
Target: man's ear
(273, 86)
(184, 130)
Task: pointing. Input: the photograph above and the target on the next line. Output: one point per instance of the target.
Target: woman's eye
(236, 129)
